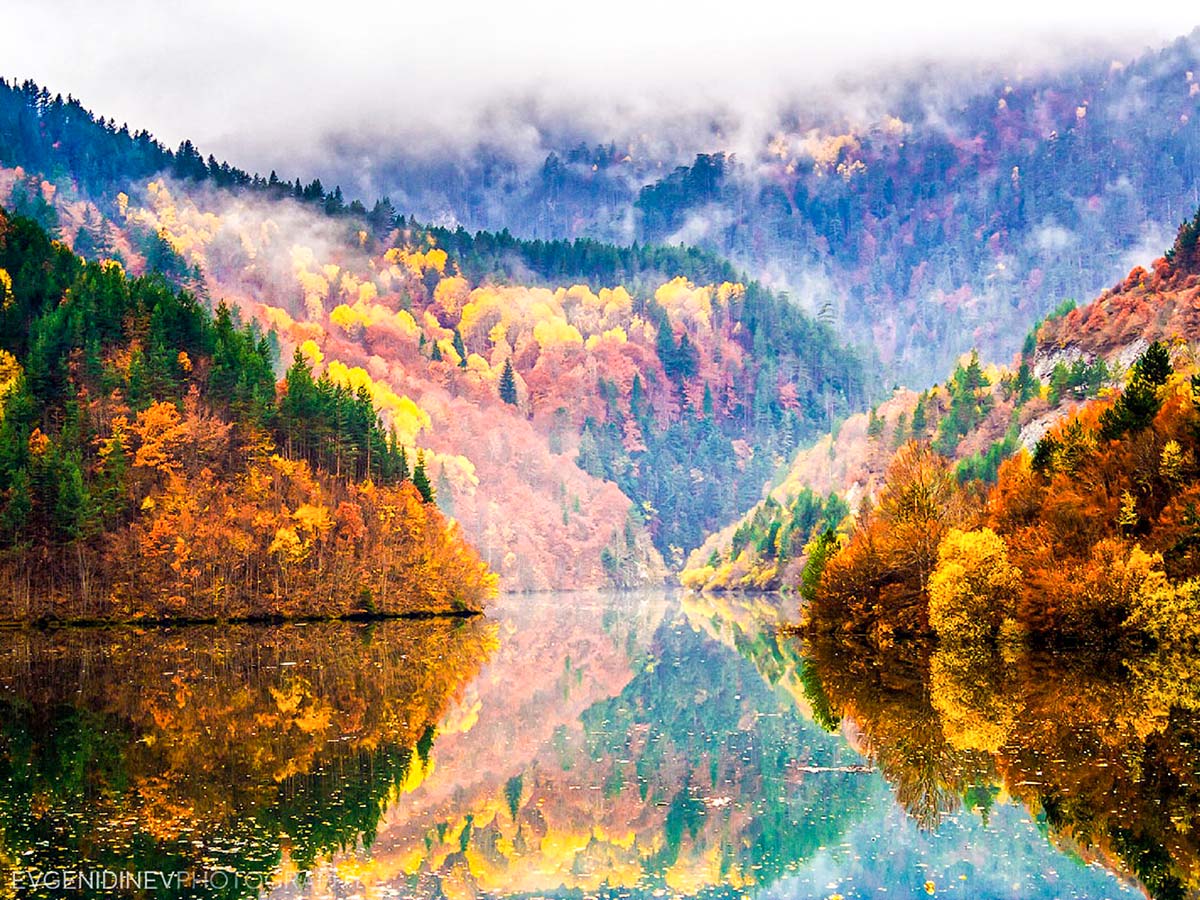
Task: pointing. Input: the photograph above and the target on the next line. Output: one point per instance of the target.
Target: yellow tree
(974, 587)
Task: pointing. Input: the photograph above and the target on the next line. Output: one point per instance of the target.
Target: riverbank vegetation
(151, 465)
(1092, 537)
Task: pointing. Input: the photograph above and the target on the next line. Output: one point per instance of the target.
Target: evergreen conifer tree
(508, 384)
(421, 480)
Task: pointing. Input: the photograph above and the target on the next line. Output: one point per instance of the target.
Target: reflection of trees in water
(701, 724)
(887, 697)
(187, 748)
(1101, 749)
(687, 768)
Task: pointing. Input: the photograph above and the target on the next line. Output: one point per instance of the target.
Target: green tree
(1139, 403)
(1025, 385)
(588, 457)
(421, 480)
(820, 550)
(919, 419)
(460, 348)
(17, 511)
(508, 384)
(874, 425)
(85, 243)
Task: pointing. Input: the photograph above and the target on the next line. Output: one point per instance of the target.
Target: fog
(290, 85)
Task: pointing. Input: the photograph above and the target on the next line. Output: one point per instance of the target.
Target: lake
(587, 745)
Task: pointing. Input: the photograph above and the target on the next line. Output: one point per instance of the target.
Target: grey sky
(261, 83)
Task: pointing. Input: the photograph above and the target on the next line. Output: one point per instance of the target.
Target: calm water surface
(585, 745)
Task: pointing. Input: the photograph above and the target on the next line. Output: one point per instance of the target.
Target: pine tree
(508, 384)
(460, 349)
(404, 473)
(1154, 365)
(1025, 386)
(686, 359)
(588, 457)
(1139, 403)
(638, 404)
(85, 244)
(664, 341)
(17, 512)
(421, 480)
(70, 496)
(874, 425)
(900, 435)
(919, 421)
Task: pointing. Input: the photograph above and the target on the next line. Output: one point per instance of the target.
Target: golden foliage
(974, 587)
(1099, 542)
(877, 581)
(159, 432)
(399, 411)
(39, 443)
(10, 377)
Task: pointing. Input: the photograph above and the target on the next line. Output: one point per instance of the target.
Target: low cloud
(1053, 238)
(290, 86)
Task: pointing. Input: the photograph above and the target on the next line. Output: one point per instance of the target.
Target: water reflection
(587, 746)
(216, 756)
(1100, 750)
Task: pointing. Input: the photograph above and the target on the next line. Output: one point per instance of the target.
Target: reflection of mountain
(700, 724)
(614, 743)
(194, 749)
(1101, 750)
(750, 624)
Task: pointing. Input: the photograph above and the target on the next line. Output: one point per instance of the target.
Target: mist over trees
(947, 217)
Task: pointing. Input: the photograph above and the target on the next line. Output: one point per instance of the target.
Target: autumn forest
(791, 498)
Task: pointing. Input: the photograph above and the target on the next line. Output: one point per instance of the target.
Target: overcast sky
(262, 82)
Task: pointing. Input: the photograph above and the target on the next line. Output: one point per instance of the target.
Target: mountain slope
(674, 387)
(978, 418)
(139, 472)
(1090, 538)
(951, 212)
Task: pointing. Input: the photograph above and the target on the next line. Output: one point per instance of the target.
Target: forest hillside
(588, 412)
(152, 467)
(1073, 361)
(926, 211)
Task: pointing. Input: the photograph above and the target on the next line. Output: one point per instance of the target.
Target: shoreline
(50, 624)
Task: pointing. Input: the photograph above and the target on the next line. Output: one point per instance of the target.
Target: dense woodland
(234, 398)
(657, 370)
(150, 466)
(60, 139)
(977, 419)
(738, 365)
(952, 212)
(1089, 538)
